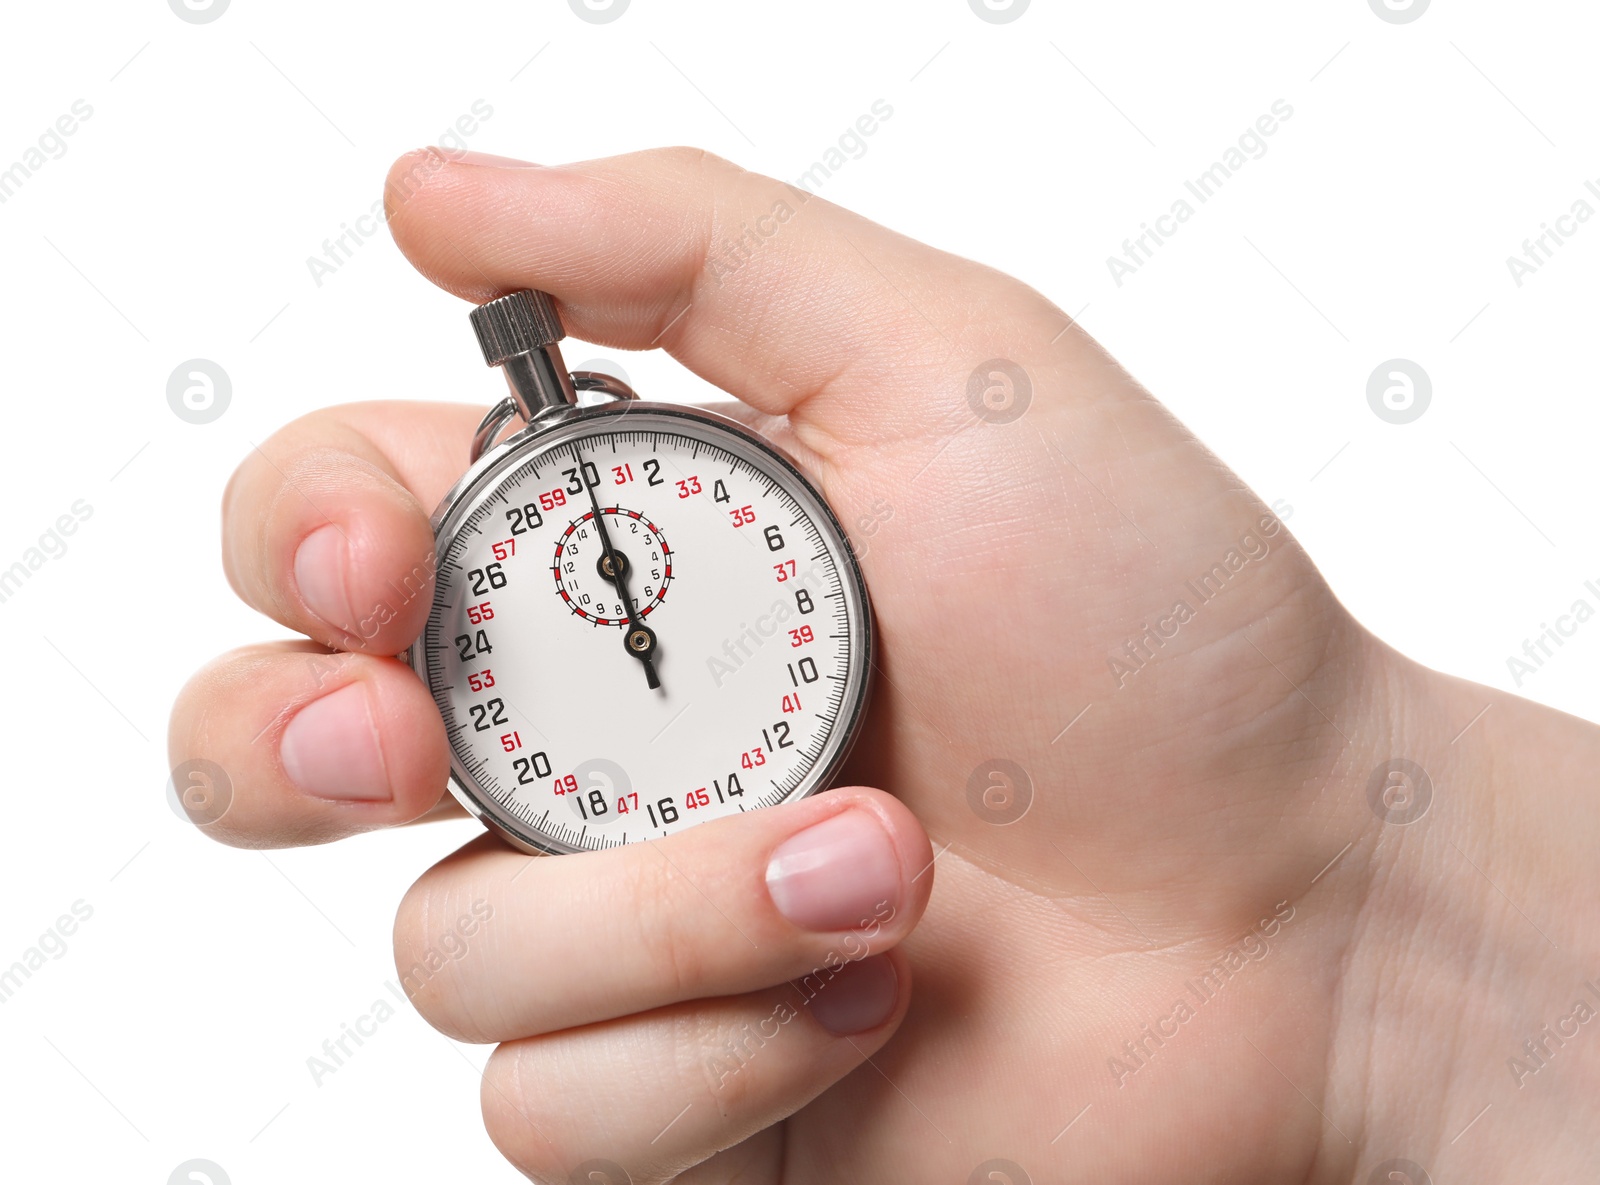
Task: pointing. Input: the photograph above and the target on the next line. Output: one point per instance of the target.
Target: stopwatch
(644, 615)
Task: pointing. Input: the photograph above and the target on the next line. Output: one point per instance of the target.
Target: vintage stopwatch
(644, 616)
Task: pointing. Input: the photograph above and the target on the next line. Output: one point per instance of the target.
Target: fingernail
(835, 875)
(860, 996)
(330, 749)
(319, 568)
(489, 160)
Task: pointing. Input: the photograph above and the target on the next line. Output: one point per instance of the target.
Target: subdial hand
(638, 639)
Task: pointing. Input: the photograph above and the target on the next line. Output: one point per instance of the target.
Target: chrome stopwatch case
(644, 615)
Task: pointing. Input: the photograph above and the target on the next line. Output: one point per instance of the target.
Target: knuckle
(693, 159)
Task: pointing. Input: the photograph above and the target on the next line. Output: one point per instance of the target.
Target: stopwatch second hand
(640, 639)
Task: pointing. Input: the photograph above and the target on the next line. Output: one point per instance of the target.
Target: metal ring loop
(490, 426)
(598, 380)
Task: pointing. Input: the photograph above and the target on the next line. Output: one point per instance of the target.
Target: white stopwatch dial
(644, 617)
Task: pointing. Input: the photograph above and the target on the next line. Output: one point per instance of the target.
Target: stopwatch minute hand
(640, 639)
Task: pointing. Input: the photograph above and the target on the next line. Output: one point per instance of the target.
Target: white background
(220, 156)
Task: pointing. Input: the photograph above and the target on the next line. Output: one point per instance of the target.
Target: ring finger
(659, 1092)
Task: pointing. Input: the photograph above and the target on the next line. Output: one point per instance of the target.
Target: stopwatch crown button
(516, 324)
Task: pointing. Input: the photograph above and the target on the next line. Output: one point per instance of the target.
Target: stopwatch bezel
(556, 429)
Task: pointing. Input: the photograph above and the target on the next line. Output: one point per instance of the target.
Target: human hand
(1081, 613)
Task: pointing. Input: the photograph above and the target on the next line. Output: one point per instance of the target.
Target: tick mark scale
(551, 596)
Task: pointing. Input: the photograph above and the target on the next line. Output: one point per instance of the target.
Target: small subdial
(582, 568)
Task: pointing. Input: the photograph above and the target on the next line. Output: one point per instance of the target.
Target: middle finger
(492, 945)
